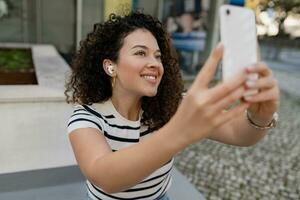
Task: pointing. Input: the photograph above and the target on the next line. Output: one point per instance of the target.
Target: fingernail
(247, 98)
(252, 77)
(250, 92)
(219, 46)
(250, 68)
(251, 83)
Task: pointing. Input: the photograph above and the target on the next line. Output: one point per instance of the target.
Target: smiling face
(139, 68)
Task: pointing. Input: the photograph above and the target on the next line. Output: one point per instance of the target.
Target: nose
(154, 62)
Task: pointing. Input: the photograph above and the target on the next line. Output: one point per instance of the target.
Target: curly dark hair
(90, 84)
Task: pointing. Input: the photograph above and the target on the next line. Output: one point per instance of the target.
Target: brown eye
(140, 53)
(158, 57)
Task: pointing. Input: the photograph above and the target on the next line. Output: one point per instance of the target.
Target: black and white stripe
(120, 134)
(148, 193)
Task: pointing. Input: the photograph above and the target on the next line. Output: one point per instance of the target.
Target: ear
(108, 64)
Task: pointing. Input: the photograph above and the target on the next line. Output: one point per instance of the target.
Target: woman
(125, 143)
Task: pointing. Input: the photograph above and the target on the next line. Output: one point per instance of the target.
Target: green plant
(15, 60)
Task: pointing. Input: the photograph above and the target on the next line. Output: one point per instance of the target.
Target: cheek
(161, 71)
(129, 74)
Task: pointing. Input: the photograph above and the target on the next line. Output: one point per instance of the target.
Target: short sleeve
(81, 118)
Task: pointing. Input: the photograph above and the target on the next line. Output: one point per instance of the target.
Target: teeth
(150, 77)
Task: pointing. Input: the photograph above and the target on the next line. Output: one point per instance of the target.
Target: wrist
(262, 123)
(177, 140)
(260, 120)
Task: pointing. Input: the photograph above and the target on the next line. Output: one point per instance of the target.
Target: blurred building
(61, 23)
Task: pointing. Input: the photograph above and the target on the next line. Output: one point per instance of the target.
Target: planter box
(50, 72)
(17, 78)
(16, 66)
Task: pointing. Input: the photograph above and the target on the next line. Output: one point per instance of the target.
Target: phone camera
(227, 12)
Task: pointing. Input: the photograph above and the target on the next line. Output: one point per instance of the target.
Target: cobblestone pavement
(268, 170)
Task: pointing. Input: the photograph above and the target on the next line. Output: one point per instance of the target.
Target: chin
(150, 93)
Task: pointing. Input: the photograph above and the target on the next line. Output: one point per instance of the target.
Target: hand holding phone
(238, 35)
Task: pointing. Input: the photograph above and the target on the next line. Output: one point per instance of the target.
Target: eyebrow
(143, 47)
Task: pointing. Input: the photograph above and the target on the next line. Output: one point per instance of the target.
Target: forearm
(247, 135)
(127, 167)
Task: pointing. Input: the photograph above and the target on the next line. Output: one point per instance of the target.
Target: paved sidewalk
(267, 170)
(288, 76)
(286, 68)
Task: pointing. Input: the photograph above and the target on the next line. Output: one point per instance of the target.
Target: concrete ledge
(50, 69)
(48, 184)
(33, 136)
(68, 183)
(34, 179)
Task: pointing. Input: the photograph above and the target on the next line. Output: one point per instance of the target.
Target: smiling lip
(151, 78)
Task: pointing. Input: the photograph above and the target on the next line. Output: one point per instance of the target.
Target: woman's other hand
(266, 101)
(202, 109)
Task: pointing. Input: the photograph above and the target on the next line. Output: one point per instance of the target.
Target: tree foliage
(287, 6)
(283, 8)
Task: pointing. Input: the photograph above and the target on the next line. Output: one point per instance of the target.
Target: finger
(260, 68)
(262, 83)
(227, 101)
(208, 70)
(225, 88)
(265, 95)
(229, 115)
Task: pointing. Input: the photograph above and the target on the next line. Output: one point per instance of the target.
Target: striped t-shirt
(120, 133)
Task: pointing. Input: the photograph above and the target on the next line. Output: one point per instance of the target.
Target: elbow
(247, 143)
(102, 176)
(104, 181)
(110, 189)
(106, 186)
(103, 186)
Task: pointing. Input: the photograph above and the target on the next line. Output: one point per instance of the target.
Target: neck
(128, 107)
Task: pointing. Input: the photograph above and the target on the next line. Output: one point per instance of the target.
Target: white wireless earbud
(110, 68)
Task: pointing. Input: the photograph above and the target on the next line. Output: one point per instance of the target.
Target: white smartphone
(238, 35)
